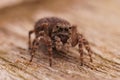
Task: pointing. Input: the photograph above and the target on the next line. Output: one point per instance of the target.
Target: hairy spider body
(57, 34)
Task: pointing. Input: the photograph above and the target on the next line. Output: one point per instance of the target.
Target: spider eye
(61, 29)
(66, 29)
(70, 27)
(56, 26)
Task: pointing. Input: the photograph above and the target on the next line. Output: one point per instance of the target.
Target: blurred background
(98, 20)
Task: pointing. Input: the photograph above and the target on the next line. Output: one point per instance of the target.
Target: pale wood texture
(98, 20)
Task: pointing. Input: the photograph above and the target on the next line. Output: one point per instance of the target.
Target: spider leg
(48, 41)
(29, 42)
(87, 47)
(50, 53)
(80, 45)
(35, 45)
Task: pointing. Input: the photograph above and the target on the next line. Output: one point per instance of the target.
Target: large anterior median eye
(70, 27)
(60, 29)
(66, 29)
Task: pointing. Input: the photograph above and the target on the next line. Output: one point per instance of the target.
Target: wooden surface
(98, 20)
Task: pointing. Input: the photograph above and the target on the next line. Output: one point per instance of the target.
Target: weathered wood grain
(98, 20)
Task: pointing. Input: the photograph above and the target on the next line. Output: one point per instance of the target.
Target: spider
(57, 34)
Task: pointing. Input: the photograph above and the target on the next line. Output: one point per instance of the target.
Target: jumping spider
(57, 34)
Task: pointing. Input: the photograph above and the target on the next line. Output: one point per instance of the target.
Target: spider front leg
(48, 41)
(35, 46)
(87, 47)
(80, 45)
(29, 42)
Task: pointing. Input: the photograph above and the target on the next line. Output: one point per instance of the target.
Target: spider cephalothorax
(57, 34)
